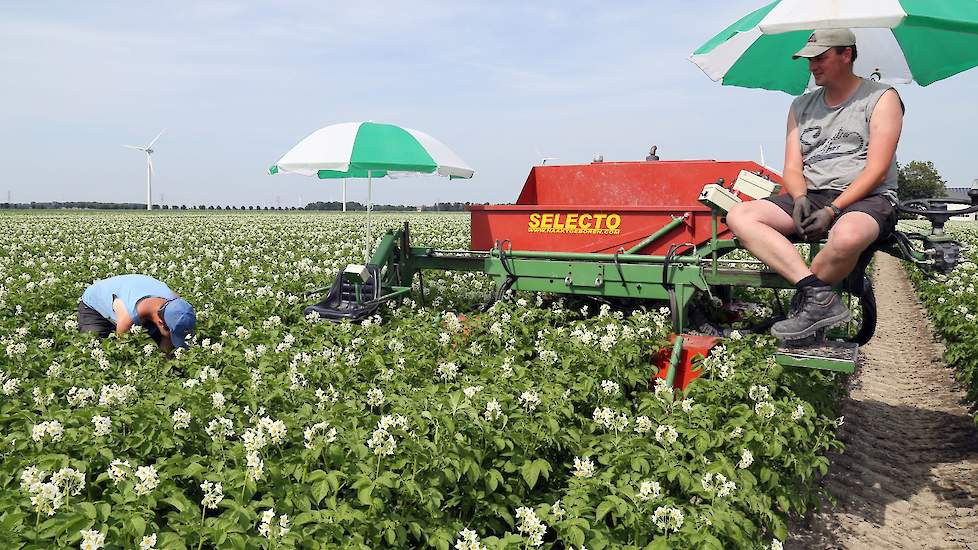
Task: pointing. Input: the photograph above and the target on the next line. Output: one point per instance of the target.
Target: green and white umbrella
(899, 41)
(370, 150)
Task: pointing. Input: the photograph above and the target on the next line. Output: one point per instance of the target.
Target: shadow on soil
(890, 453)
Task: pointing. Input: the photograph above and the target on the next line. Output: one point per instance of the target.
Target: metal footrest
(827, 355)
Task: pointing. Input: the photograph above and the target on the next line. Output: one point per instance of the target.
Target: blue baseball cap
(180, 318)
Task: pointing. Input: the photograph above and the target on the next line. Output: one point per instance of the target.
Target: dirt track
(909, 474)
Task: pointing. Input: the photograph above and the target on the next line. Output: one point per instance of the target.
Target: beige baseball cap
(823, 39)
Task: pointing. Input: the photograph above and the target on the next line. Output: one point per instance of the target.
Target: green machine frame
(674, 279)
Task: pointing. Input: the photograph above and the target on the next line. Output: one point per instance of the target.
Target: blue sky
(502, 83)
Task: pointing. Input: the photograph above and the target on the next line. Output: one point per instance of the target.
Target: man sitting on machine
(840, 175)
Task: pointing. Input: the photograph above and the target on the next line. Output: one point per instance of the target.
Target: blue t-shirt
(128, 288)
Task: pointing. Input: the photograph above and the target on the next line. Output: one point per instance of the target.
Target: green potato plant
(534, 424)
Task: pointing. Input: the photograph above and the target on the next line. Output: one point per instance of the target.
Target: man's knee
(752, 213)
(854, 236)
(849, 244)
(741, 215)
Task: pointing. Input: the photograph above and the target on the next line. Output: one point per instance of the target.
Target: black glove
(801, 212)
(818, 223)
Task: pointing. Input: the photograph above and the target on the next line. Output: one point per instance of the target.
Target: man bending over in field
(117, 303)
(840, 175)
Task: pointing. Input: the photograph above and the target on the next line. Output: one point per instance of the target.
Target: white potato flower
(665, 434)
(181, 419)
(148, 479)
(667, 518)
(119, 470)
(103, 425)
(218, 400)
(649, 490)
(765, 409)
(468, 540)
(583, 467)
(447, 371)
(92, 539)
(643, 424)
(375, 397)
(746, 459)
(530, 525)
(530, 400)
(213, 494)
(493, 410)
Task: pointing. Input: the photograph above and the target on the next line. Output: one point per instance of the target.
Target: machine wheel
(867, 301)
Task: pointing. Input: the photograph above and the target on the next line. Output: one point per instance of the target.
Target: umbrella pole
(366, 249)
(344, 194)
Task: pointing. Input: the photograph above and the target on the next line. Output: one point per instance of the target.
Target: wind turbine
(543, 161)
(149, 167)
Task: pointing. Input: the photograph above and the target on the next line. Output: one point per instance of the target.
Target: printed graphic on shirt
(841, 144)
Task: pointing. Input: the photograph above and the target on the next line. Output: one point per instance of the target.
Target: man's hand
(818, 223)
(802, 211)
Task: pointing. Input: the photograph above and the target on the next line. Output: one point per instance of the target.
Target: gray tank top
(835, 140)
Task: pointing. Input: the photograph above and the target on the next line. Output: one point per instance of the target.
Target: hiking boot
(818, 307)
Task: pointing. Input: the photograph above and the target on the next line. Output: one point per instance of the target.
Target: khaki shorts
(877, 206)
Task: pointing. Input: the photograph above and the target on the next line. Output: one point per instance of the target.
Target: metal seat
(348, 301)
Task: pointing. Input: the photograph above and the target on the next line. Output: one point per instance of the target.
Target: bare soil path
(909, 475)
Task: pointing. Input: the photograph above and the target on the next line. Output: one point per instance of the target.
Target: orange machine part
(692, 346)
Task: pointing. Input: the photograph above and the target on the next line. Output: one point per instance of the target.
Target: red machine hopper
(604, 207)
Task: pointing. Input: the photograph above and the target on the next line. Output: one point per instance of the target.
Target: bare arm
(885, 126)
(793, 178)
(124, 322)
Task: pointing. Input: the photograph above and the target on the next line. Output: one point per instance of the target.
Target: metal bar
(747, 277)
(821, 363)
(585, 256)
(737, 262)
(420, 260)
(650, 291)
(721, 246)
(677, 352)
(713, 251)
(631, 280)
(655, 236)
(442, 252)
(397, 291)
(311, 293)
(384, 249)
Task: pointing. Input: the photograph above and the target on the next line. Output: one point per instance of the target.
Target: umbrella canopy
(362, 149)
(898, 41)
(370, 150)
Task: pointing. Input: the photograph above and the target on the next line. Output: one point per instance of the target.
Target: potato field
(952, 303)
(532, 424)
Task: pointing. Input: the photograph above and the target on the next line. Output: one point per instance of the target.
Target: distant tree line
(319, 205)
(437, 207)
